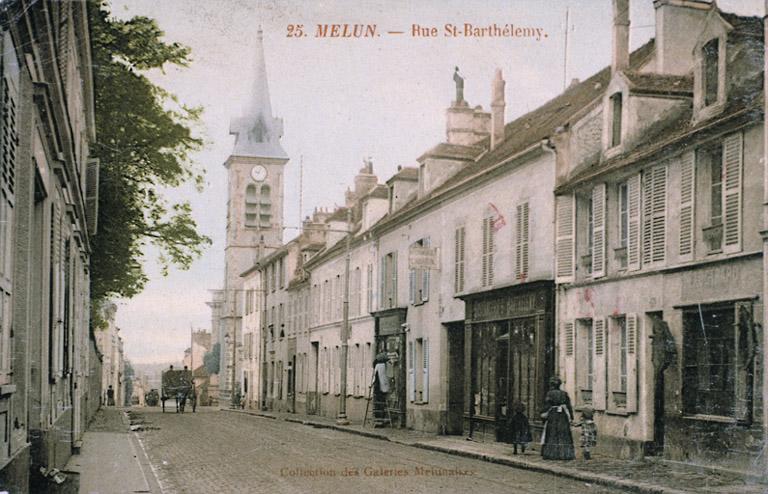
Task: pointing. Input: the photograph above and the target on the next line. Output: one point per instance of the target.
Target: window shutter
(687, 202)
(383, 283)
(565, 241)
(598, 383)
(598, 231)
(411, 373)
(633, 226)
(394, 279)
(425, 277)
(521, 242)
(484, 262)
(746, 347)
(659, 213)
(732, 163)
(568, 332)
(412, 286)
(632, 332)
(457, 260)
(647, 184)
(425, 383)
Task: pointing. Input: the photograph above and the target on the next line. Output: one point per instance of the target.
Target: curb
(564, 472)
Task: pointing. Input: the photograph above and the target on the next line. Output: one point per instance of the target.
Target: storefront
(509, 349)
(390, 339)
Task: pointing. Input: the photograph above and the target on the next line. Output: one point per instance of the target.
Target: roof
(452, 151)
(257, 131)
(528, 130)
(340, 214)
(410, 173)
(659, 83)
(378, 192)
(744, 104)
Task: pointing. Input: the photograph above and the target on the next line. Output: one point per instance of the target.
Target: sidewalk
(111, 459)
(650, 476)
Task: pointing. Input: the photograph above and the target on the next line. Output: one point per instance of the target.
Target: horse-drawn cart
(179, 385)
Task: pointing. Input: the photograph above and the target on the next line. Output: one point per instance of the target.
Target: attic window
(711, 72)
(616, 104)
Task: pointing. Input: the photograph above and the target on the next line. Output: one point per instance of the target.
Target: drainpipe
(765, 245)
(548, 147)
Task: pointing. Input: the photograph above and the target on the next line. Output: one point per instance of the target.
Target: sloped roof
(659, 83)
(452, 151)
(405, 173)
(529, 129)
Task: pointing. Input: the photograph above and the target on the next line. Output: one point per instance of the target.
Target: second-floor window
(623, 193)
(715, 155)
(418, 285)
(654, 214)
(388, 280)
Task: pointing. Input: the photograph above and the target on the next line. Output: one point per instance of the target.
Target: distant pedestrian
(588, 432)
(110, 396)
(556, 441)
(519, 427)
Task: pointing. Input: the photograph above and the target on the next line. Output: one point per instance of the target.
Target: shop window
(719, 344)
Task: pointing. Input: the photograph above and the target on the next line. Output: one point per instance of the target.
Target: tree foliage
(211, 359)
(144, 142)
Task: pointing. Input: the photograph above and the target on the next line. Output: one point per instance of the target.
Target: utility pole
(341, 419)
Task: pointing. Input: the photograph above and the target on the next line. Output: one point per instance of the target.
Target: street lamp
(341, 419)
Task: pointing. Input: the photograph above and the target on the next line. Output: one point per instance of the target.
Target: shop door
(515, 371)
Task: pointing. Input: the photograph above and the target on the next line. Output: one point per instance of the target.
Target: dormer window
(711, 71)
(616, 108)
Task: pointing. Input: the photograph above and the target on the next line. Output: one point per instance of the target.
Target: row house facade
(49, 189)
(110, 345)
(610, 237)
(658, 251)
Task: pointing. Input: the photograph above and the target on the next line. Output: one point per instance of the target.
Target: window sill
(419, 403)
(618, 412)
(7, 389)
(711, 418)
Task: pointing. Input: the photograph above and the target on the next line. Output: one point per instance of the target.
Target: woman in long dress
(557, 443)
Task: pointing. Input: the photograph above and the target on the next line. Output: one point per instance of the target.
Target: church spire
(257, 132)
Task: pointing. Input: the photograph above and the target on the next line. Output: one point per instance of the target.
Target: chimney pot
(620, 56)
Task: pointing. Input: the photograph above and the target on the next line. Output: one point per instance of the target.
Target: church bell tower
(254, 211)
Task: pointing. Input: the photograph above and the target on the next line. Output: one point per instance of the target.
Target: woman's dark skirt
(558, 443)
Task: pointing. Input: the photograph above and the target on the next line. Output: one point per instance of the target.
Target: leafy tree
(144, 142)
(211, 359)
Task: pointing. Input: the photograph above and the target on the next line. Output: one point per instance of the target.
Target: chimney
(675, 19)
(497, 109)
(620, 58)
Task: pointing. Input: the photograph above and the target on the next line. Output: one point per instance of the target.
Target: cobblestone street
(213, 451)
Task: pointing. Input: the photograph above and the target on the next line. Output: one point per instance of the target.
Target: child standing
(588, 432)
(521, 430)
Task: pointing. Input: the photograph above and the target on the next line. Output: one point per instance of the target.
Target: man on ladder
(380, 387)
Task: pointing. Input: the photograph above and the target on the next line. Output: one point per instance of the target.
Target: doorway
(454, 422)
(312, 394)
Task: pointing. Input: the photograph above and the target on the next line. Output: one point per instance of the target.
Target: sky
(342, 100)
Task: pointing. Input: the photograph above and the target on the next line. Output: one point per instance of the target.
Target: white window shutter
(659, 213)
(491, 247)
(425, 276)
(568, 328)
(632, 380)
(565, 239)
(647, 184)
(598, 231)
(394, 279)
(412, 286)
(411, 372)
(598, 383)
(383, 282)
(687, 204)
(457, 260)
(732, 178)
(484, 262)
(425, 382)
(633, 226)
(521, 241)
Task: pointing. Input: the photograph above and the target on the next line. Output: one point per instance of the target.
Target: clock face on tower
(259, 173)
